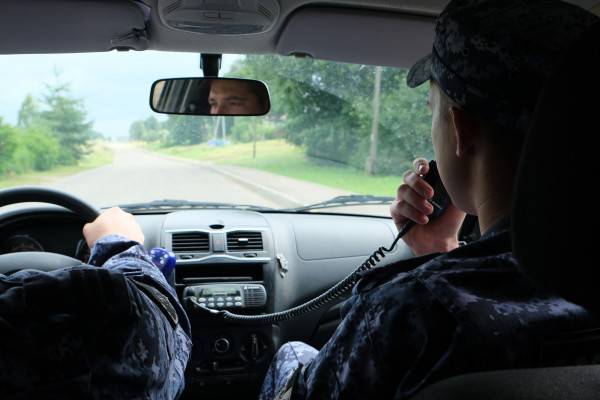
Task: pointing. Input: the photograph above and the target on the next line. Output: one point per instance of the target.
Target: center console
(225, 261)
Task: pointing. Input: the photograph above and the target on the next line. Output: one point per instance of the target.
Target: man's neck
(494, 186)
(490, 213)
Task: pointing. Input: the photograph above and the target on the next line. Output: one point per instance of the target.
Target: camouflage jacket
(87, 332)
(421, 320)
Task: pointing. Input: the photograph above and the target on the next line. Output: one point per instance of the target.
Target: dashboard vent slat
(192, 242)
(173, 6)
(244, 241)
(264, 11)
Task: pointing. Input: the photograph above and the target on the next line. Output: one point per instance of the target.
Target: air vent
(173, 6)
(190, 242)
(244, 241)
(264, 11)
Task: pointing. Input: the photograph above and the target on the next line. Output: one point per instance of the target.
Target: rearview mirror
(210, 96)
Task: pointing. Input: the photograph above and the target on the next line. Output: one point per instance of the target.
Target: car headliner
(383, 32)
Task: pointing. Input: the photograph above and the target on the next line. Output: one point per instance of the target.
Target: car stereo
(230, 295)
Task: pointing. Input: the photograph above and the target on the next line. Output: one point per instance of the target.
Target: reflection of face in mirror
(210, 96)
(233, 97)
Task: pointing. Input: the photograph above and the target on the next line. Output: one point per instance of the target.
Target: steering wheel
(42, 261)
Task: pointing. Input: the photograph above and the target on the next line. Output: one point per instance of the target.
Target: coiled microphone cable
(440, 202)
(339, 290)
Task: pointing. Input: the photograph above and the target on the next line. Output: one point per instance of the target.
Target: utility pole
(216, 128)
(254, 138)
(372, 160)
(223, 129)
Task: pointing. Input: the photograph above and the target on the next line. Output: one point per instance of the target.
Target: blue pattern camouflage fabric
(415, 322)
(492, 56)
(115, 331)
(289, 360)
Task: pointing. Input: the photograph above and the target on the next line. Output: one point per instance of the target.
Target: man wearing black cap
(454, 310)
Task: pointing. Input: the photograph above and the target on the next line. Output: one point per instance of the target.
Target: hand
(113, 222)
(441, 235)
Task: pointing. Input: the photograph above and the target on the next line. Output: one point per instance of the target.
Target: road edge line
(265, 191)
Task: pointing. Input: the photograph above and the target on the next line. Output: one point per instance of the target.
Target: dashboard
(243, 261)
(44, 230)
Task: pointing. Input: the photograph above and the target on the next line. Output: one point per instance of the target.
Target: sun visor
(357, 36)
(71, 26)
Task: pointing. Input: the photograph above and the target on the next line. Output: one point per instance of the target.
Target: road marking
(275, 195)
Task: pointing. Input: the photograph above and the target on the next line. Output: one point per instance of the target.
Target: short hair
(262, 96)
(507, 139)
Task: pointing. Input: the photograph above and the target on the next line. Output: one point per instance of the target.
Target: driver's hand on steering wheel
(113, 221)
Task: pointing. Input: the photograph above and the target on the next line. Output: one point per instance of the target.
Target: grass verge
(102, 154)
(280, 157)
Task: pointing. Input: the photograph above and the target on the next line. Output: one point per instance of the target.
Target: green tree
(28, 113)
(137, 130)
(152, 123)
(187, 130)
(153, 130)
(328, 108)
(148, 130)
(66, 118)
(8, 146)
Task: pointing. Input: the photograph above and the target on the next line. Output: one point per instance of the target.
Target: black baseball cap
(493, 56)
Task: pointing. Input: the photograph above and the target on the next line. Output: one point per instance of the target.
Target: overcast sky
(115, 86)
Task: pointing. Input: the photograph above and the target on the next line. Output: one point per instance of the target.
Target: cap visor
(420, 72)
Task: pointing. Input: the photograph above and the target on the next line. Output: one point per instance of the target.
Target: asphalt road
(140, 176)
(137, 176)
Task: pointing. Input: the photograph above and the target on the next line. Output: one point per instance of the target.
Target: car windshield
(82, 123)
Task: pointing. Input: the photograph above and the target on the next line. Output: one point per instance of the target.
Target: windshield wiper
(344, 201)
(166, 204)
(339, 201)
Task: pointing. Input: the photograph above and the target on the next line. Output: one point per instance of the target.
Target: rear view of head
(489, 61)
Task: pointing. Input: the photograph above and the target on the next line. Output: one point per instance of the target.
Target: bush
(43, 148)
(8, 146)
(22, 159)
(244, 130)
(22, 150)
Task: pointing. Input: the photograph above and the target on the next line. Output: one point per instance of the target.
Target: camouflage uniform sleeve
(117, 253)
(96, 327)
(388, 342)
(158, 347)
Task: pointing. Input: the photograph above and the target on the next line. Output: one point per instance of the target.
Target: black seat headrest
(554, 217)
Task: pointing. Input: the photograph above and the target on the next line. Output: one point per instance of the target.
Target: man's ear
(464, 127)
